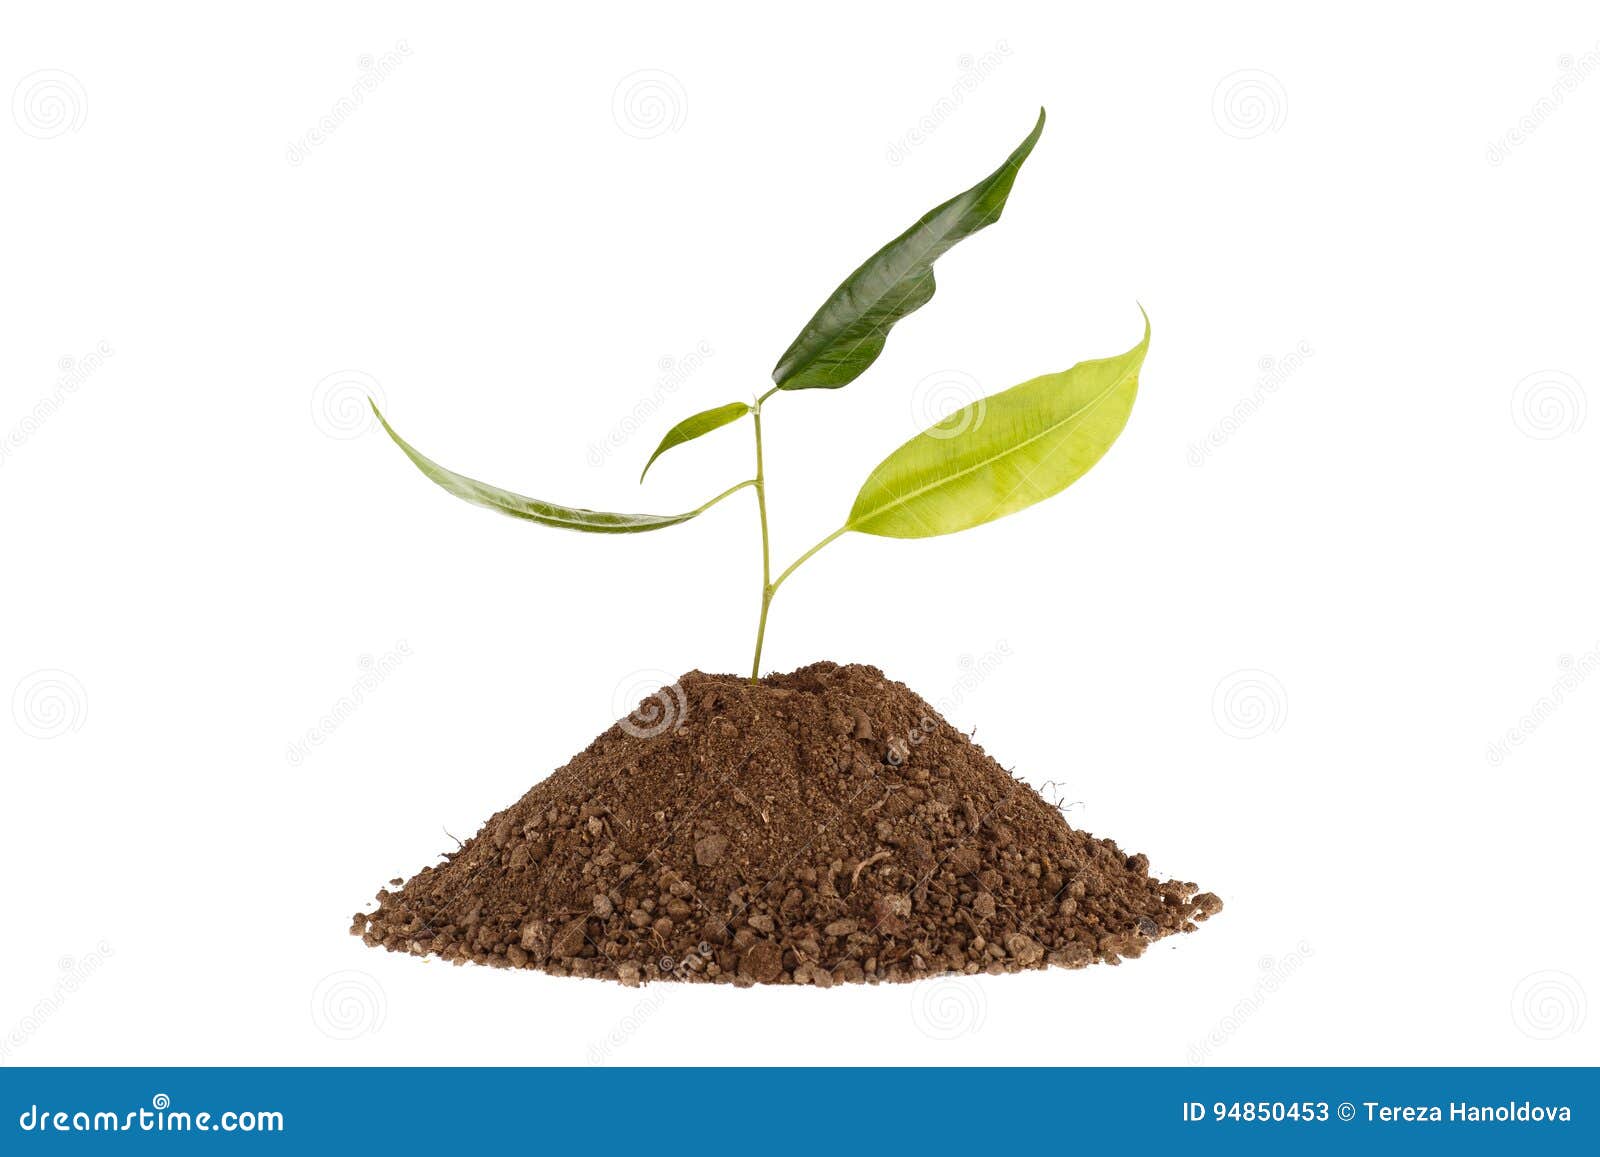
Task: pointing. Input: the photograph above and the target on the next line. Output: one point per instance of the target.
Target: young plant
(992, 458)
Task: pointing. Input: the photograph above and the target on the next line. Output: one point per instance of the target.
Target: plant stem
(730, 490)
(769, 585)
(795, 565)
(769, 589)
(766, 546)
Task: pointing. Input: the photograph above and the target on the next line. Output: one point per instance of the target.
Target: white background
(1269, 640)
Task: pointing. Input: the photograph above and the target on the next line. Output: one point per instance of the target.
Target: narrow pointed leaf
(1002, 453)
(695, 425)
(848, 332)
(535, 510)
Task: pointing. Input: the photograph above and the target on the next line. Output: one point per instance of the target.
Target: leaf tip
(382, 421)
(1033, 137)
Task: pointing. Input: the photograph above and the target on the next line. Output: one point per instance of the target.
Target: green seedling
(992, 458)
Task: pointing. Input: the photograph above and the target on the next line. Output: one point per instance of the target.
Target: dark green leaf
(695, 425)
(847, 333)
(1002, 453)
(534, 510)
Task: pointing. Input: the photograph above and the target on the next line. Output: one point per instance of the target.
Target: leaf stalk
(730, 490)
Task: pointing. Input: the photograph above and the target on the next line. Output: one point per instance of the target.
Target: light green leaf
(1002, 453)
(695, 425)
(848, 332)
(547, 513)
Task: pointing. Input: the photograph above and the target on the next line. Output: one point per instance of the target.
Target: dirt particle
(570, 940)
(535, 939)
(965, 861)
(709, 851)
(1026, 949)
(762, 962)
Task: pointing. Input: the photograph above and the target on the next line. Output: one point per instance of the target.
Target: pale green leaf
(694, 426)
(1001, 453)
(535, 510)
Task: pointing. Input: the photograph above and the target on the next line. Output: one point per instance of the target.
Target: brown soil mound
(818, 827)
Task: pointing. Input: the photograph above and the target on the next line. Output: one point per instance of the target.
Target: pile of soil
(820, 827)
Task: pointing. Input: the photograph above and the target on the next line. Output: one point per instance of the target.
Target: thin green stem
(769, 585)
(761, 632)
(730, 490)
(795, 565)
(766, 546)
(770, 588)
